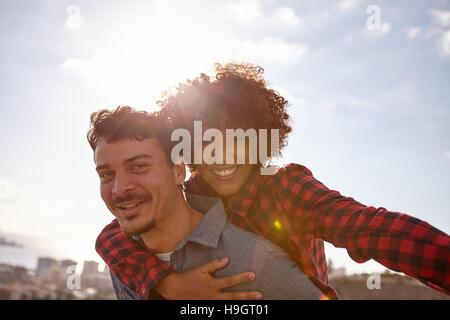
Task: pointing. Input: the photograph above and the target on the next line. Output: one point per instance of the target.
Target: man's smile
(129, 210)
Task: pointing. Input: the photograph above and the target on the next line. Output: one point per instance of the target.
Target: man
(143, 189)
(290, 208)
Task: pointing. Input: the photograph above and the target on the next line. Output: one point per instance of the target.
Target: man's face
(136, 182)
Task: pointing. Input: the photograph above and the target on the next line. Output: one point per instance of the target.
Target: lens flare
(278, 225)
(324, 297)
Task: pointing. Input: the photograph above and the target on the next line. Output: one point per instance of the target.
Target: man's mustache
(118, 200)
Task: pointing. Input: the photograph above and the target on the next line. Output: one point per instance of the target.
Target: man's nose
(122, 184)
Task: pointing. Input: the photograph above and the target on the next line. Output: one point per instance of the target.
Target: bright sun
(136, 60)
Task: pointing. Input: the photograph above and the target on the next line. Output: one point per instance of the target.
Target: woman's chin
(226, 187)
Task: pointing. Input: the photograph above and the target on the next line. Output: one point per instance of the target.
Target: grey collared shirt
(277, 276)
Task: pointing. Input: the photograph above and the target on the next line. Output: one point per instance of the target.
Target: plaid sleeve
(133, 265)
(396, 240)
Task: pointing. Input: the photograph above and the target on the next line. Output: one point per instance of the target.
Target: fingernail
(223, 259)
(258, 296)
(251, 275)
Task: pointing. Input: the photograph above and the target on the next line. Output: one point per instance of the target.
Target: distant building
(54, 279)
(67, 263)
(21, 274)
(26, 291)
(12, 274)
(53, 271)
(90, 268)
(55, 274)
(92, 278)
(6, 274)
(45, 263)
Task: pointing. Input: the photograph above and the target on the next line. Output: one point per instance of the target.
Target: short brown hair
(125, 122)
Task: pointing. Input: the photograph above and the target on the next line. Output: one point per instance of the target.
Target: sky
(368, 88)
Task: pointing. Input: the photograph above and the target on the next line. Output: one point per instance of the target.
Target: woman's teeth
(225, 172)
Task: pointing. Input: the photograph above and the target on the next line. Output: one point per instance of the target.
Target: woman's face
(226, 179)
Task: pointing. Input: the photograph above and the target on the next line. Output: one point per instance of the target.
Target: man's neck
(167, 234)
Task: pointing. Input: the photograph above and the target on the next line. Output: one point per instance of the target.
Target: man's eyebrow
(139, 156)
(142, 155)
(102, 166)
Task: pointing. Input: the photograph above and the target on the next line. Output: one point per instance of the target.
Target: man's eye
(105, 174)
(139, 166)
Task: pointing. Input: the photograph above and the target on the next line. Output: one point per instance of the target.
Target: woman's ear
(179, 172)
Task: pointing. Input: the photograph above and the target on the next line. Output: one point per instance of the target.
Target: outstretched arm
(398, 241)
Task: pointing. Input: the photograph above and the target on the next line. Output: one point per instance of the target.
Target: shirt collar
(210, 228)
(241, 202)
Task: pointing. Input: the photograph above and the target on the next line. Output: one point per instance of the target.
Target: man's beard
(142, 229)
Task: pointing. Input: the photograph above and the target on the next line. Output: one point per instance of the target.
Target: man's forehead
(123, 149)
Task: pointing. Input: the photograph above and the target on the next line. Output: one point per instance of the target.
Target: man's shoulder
(249, 249)
(248, 240)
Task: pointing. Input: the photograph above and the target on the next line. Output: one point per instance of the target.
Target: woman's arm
(398, 241)
(141, 272)
(138, 269)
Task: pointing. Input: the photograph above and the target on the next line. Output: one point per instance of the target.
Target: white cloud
(285, 15)
(347, 5)
(356, 103)
(380, 30)
(10, 193)
(171, 54)
(441, 31)
(412, 32)
(74, 20)
(251, 12)
(109, 70)
(325, 105)
(444, 44)
(442, 18)
(271, 50)
(348, 39)
(385, 27)
(298, 102)
(447, 155)
(246, 11)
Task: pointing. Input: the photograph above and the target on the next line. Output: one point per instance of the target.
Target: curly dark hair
(125, 122)
(235, 96)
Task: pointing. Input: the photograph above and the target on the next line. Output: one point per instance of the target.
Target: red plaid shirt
(297, 212)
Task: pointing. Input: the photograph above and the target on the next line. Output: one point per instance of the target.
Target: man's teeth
(225, 172)
(129, 206)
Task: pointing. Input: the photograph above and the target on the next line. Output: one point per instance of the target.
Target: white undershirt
(165, 256)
